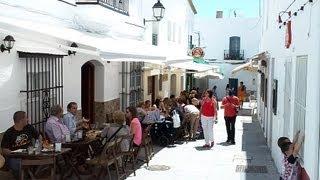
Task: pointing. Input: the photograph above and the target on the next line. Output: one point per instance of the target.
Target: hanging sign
(288, 35)
(198, 54)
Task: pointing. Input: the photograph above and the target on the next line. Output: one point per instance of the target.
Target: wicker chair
(147, 144)
(106, 159)
(130, 155)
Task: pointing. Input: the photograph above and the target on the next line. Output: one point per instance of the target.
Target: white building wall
(306, 41)
(215, 34)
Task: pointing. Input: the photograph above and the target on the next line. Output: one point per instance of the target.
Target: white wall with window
(297, 70)
(215, 34)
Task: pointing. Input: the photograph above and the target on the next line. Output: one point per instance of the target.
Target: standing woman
(230, 104)
(208, 114)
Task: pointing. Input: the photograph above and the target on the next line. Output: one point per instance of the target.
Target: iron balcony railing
(233, 54)
(120, 6)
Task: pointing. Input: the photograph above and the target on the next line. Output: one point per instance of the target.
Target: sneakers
(206, 146)
(232, 142)
(228, 141)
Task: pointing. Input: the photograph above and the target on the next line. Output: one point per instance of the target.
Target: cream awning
(252, 65)
(103, 46)
(211, 74)
(190, 65)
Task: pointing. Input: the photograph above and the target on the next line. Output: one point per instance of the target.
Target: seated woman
(135, 125)
(118, 128)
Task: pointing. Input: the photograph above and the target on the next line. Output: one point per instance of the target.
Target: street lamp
(158, 12)
(8, 43)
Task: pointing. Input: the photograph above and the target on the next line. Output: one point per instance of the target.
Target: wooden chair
(106, 159)
(146, 143)
(26, 164)
(130, 155)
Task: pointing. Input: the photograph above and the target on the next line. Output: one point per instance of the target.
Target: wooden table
(43, 158)
(82, 146)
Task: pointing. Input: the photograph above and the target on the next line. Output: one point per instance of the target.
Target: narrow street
(190, 161)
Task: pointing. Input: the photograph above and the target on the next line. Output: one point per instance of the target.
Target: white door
(300, 96)
(287, 98)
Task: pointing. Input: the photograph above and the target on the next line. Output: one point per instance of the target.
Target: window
(300, 95)
(190, 45)
(179, 35)
(44, 86)
(160, 82)
(135, 83)
(174, 32)
(155, 32)
(169, 31)
(275, 96)
(120, 6)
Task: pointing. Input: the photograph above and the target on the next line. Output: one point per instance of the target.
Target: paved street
(189, 161)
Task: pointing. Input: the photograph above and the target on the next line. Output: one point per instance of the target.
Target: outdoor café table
(43, 155)
(82, 146)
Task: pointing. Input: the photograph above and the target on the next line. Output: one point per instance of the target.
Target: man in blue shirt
(70, 119)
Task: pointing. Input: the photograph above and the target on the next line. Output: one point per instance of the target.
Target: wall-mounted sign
(197, 52)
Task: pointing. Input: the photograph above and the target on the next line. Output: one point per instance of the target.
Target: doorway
(87, 91)
(173, 84)
(233, 84)
(152, 87)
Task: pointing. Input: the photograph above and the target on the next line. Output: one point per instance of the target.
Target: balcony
(233, 54)
(120, 6)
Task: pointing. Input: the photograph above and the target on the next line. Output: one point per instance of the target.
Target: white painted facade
(174, 31)
(214, 37)
(305, 44)
(215, 34)
(87, 25)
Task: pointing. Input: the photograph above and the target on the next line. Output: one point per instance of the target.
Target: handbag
(176, 119)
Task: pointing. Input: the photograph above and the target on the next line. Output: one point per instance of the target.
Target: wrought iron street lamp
(8, 43)
(158, 12)
(74, 45)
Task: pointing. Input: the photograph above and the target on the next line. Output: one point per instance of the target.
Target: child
(290, 151)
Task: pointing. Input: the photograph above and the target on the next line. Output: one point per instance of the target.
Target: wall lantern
(8, 43)
(74, 45)
(158, 12)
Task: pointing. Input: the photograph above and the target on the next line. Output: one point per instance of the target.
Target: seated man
(70, 120)
(19, 136)
(55, 129)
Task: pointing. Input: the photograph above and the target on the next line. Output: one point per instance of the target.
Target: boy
(290, 151)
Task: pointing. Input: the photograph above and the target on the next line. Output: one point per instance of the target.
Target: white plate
(46, 150)
(20, 150)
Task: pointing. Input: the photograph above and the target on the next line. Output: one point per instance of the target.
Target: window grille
(44, 86)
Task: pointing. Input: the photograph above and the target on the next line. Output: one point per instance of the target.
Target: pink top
(136, 130)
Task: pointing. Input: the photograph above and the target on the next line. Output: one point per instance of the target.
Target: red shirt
(208, 107)
(230, 104)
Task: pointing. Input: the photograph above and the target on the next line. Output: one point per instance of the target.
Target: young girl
(290, 152)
